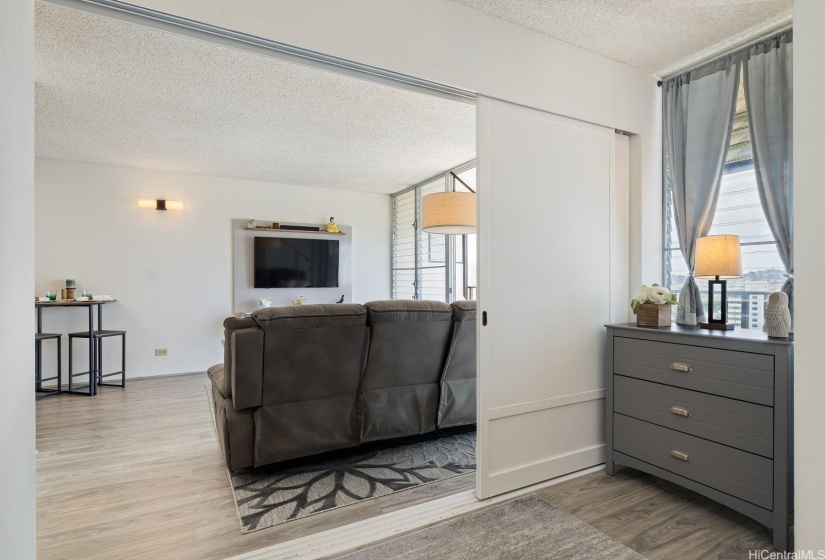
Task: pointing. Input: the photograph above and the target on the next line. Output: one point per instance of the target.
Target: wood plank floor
(138, 474)
(657, 519)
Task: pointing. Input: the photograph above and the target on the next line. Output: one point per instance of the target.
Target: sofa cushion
(395, 310)
(310, 316)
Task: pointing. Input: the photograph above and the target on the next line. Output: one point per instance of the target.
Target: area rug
(528, 528)
(270, 496)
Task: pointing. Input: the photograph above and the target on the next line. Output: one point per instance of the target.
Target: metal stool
(38, 364)
(95, 372)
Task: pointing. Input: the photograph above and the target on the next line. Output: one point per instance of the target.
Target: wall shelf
(279, 230)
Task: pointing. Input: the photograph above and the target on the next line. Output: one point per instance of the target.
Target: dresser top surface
(750, 335)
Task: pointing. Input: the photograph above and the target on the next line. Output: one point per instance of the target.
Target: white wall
(172, 271)
(449, 43)
(809, 236)
(17, 465)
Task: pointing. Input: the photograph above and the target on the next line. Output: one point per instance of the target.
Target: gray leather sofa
(298, 381)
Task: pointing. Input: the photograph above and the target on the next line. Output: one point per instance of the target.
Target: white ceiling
(115, 93)
(658, 36)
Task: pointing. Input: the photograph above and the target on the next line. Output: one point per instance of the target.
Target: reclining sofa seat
(408, 345)
(290, 382)
(297, 381)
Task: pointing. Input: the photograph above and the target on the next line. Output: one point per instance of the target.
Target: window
(738, 211)
(425, 266)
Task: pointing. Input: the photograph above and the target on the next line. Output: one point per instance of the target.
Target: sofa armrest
(217, 374)
(245, 364)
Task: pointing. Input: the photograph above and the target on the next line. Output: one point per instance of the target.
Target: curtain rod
(743, 46)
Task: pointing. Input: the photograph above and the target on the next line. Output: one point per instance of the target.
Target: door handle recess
(678, 366)
(679, 411)
(681, 455)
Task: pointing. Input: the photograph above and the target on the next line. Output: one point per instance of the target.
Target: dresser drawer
(739, 424)
(740, 375)
(743, 475)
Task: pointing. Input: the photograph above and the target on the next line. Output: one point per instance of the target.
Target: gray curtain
(768, 81)
(698, 109)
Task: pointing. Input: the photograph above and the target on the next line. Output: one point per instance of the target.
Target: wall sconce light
(160, 204)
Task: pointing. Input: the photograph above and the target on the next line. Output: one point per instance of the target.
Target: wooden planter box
(653, 315)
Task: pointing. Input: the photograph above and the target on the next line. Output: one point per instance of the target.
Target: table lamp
(718, 259)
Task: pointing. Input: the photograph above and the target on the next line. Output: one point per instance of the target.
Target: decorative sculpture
(778, 316)
(332, 227)
(299, 300)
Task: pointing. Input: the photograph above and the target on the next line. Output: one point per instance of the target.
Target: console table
(91, 306)
(708, 410)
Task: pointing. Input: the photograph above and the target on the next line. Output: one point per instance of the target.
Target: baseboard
(165, 375)
(335, 542)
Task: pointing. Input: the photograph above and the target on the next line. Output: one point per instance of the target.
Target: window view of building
(739, 212)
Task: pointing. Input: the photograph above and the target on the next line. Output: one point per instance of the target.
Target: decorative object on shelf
(67, 293)
(718, 259)
(250, 224)
(341, 300)
(652, 306)
(449, 213)
(332, 227)
(51, 295)
(267, 225)
(70, 283)
(299, 300)
(160, 204)
(264, 302)
(778, 316)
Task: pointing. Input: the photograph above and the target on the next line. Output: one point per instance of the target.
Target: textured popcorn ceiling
(115, 93)
(658, 36)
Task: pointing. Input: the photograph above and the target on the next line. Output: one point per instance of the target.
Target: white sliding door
(552, 217)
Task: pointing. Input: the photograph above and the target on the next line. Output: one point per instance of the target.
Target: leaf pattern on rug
(268, 497)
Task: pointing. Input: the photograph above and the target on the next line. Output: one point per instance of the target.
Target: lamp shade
(718, 255)
(449, 213)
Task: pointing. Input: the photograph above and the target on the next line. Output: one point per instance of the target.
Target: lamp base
(717, 326)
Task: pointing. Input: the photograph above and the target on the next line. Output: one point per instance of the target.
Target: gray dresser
(708, 410)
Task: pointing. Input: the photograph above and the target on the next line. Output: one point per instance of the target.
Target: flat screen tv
(296, 263)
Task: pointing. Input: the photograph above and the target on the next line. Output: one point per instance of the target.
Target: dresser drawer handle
(677, 366)
(679, 411)
(681, 455)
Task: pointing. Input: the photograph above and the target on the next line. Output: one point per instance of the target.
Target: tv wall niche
(245, 296)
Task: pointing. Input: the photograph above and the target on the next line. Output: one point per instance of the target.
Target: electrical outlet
(161, 351)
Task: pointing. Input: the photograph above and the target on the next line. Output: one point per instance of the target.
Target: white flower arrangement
(299, 300)
(655, 294)
(264, 302)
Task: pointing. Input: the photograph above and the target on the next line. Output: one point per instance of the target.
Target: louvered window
(738, 211)
(426, 266)
(404, 232)
(432, 258)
